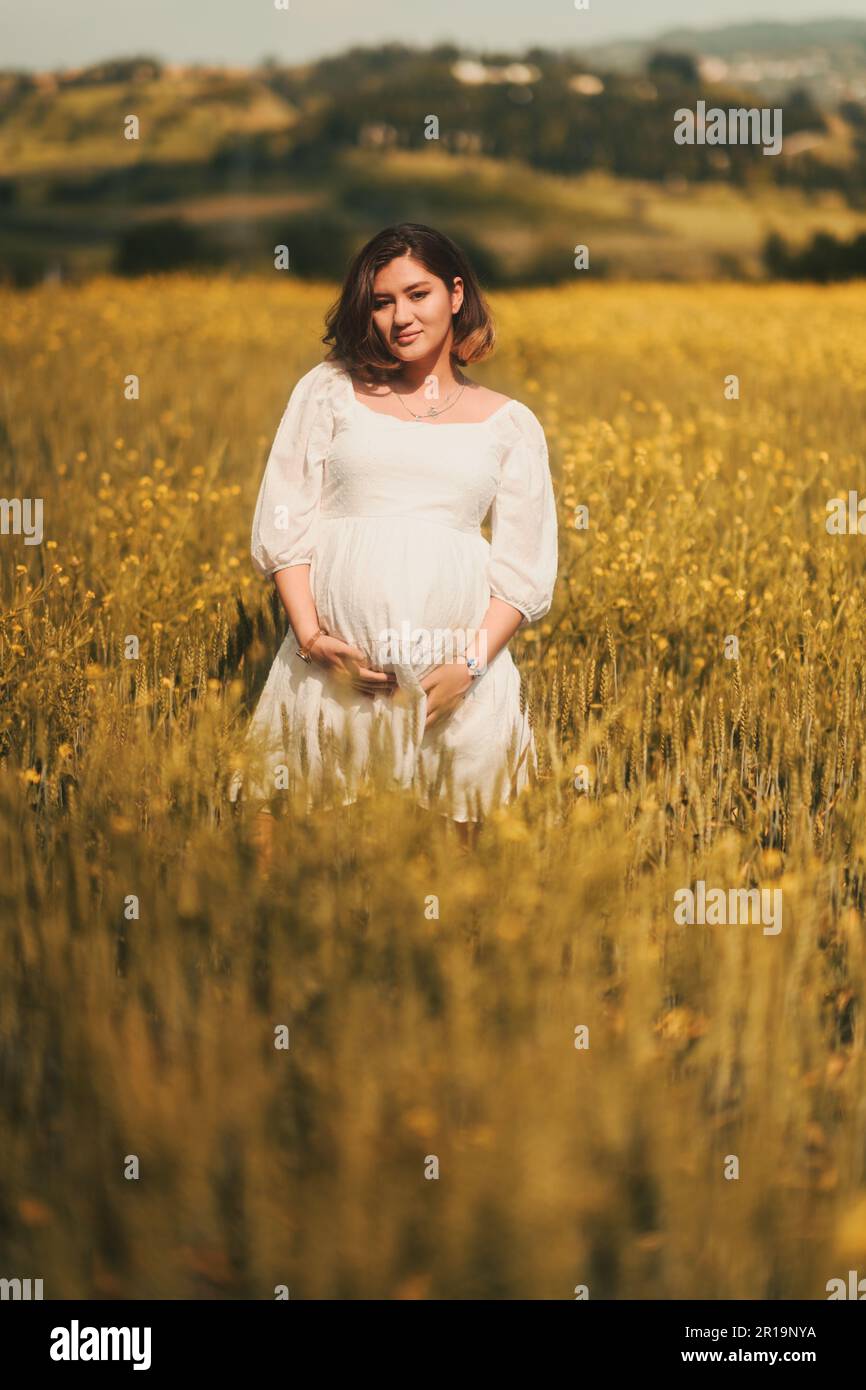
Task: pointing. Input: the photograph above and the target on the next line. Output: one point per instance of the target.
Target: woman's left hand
(446, 687)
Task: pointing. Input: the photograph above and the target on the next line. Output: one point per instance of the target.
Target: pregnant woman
(385, 464)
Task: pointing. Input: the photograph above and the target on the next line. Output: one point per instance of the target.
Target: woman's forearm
(293, 586)
(498, 626)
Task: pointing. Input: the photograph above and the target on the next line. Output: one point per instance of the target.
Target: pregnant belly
(407, 592)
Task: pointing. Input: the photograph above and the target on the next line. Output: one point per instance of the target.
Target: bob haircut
(355, 340)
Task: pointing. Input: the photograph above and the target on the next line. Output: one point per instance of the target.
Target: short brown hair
(355, 341)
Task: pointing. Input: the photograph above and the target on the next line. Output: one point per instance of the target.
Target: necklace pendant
(431, 411)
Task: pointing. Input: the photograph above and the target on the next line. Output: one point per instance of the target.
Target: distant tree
(675, 67)
(445, 53)
(854, 112)
(166, 243)
(823, 260)
(14, 85)
(775, 256)
(140, 69)
(801, 111)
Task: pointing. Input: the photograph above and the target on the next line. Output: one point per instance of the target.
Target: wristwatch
(304, 651)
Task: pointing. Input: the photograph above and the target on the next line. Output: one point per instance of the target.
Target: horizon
(46, 39)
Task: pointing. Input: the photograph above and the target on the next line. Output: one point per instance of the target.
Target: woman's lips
(408, 337)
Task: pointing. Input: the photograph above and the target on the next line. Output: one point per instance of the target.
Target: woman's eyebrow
(383, 294)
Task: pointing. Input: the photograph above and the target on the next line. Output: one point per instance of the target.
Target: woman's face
(412, 308)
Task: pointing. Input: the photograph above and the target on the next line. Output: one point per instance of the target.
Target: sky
(41, 34)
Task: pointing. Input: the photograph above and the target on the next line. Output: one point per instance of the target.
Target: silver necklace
(426, 414)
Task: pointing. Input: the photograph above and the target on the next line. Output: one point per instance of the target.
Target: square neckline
(449, 424)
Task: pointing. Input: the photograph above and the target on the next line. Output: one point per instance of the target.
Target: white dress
(387, 512)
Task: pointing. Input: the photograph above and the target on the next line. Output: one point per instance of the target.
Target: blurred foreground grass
(413, 1035)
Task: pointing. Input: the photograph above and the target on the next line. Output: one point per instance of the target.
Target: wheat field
(148, 1035)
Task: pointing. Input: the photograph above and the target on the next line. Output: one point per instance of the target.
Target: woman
(385, 463)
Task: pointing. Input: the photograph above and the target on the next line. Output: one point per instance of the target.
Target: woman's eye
(416, 294)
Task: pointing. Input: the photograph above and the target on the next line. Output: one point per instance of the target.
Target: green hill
(534, 154)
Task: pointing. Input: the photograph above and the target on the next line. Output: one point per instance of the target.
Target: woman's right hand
(348, 664)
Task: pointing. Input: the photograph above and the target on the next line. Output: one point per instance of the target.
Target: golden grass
(413, 1035)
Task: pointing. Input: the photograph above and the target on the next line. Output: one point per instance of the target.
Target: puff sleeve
(523, 550)
(287, 508)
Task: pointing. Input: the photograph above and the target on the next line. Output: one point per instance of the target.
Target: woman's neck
(414, 375)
